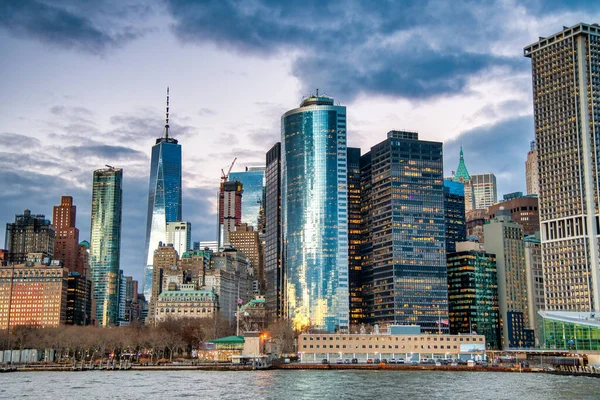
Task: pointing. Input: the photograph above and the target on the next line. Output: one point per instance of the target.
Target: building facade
(165, 258)
(246, 240)
(355, 237)
(523, 210)
(504, 238)
(33, 294)
(186, 301)
(461, 175)
(485, 193)
(532, 178)
(105, 246)
(79, 300)
(179, 234)
(473, 293)
(253, 182)
(30, 233)
(476, 219)
(566, 92)
(405, 260)
(575, 331)
(164, 196)
(230, 211)
(66, 241)
(315, 214)
(274, 271)
(535, 280)
(454, 214)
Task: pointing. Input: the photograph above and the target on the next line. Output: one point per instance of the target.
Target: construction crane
(224, 175)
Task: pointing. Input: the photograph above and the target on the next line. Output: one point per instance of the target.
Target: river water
(296, 384)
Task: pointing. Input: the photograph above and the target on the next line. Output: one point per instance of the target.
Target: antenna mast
(167, 117)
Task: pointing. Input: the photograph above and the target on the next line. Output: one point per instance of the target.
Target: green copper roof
(229, 339)
(461, 175)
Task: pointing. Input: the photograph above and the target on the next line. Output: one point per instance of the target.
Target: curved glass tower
(164, 196)
(315, 214)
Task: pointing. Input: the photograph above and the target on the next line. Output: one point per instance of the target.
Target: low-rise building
(566, 330)
(185, 301)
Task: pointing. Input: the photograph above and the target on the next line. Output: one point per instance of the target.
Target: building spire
(167, 117)
(461, 175)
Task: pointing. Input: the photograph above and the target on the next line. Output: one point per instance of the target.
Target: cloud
(106, 152)
(145, 124)
(90, 28)
(204, 112)
(500, 148)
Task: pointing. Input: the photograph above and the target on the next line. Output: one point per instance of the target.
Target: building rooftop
(313, 100)
(461, 174)
(565, 33)
(572, 317)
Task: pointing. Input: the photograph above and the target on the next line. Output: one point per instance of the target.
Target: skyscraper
(164, 196)
(462, 175)
(66, 241)
(179, 234)
(355, 237)
(230, 210)
(531, 171)
(274, 273)
(253, 182)
(485, 193)
(454, 214)
(315, 214)
(29, 233)
(405, 261)
(105, 246)
(245, 239)
(566, 92)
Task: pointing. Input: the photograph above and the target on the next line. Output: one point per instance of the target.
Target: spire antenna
(167, 117)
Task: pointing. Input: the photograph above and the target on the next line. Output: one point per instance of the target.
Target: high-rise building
(274, 271)
(483, 187)
(355, 236)
(475, 221)
(164, 196)
(535, 281)
(566, 92)
(473, 293)
(79, 300)
(253, 182)
(531, 171)
(83, 258)
(462, 175)
(213, 245)
(33, 294)
(523, 210)
(165, 257)
(66, 241)
(314, 215)
(245, 239)
(405, 266)
(105, 246)
(194, 263)
(230, 210)
(454, 214)
(504, 238)
(179, 234)
(29, 233)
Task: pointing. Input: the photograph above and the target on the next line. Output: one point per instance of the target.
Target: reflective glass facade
(405, 259)
(105, 243)
(473, 295)
(274, 273)
(164, 199)
(454, 209)
(315, 214)
(569, 331)
(253, 182)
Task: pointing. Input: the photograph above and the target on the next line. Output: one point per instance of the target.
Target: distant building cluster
(333, 238)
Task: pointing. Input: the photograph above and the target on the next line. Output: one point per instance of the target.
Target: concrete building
(532, 178)
(246, 239)
(566, 92)
(476, 219)
(484, 190)
(186, 301)
(194, 263)
(66, 241)
(212, 245)
(404, 260)
(408, 347)
(473, 293)
(33, 294)
(314, 214)
(105, 246)
(179, 234)
(229, 212)
(504, 238)
(165, 258)
(535, 281)
(523, 210)
(30, 233)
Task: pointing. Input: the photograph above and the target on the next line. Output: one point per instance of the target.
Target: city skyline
(69, 132)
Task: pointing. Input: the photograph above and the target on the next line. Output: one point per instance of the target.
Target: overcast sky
(83, 85)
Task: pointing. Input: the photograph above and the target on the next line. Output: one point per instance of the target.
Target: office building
(186, 301)
(504, 238)
(83, 258)
(194, 263)
(531, 171)
(274, 271)
(476, 219)
(483, 187)
(33, 294)
(253, 182)
(405, 261)
(230, 211)
(212, 245)
(355, 236)
(30, 233)
(165, 257)
(536, 297)
(105, 246)
(473, 293)
(66, 241)
(314, 217)
(461, 175)
(179, 234)
(566, 92)
(523, 210)
(454, 214)
(164, 196)
(79, 300)
(245, 239)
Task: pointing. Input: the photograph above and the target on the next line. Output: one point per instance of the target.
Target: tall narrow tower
(66, 241)
(164, 196)
(566, 99)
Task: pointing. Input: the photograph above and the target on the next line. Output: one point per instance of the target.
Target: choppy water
(297, 384)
